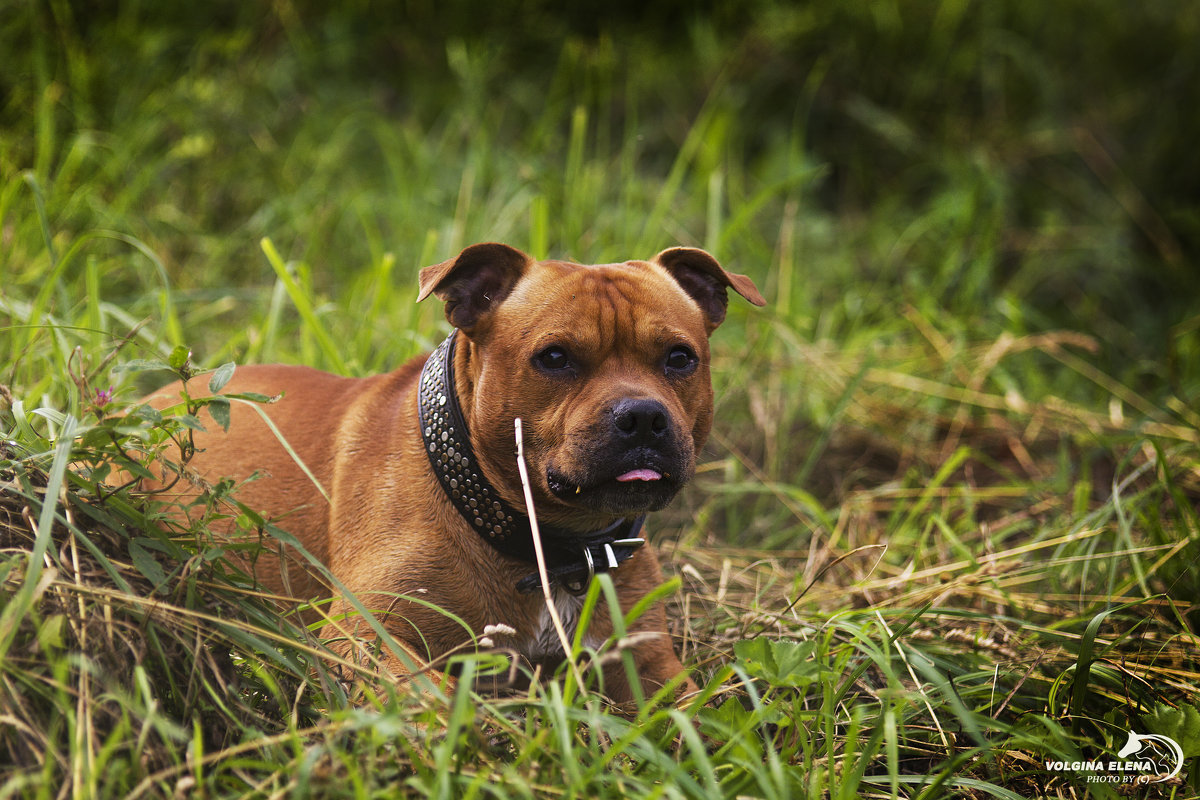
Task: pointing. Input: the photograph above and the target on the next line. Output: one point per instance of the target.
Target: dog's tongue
(639, 475)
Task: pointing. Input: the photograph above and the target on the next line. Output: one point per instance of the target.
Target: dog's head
(606, 365)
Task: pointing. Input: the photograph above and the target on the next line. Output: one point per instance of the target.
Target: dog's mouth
(642, 488)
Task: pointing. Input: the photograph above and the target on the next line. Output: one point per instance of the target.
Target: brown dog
(607, 367)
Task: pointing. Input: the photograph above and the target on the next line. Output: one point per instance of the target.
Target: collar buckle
(634, 543)
(579, 585)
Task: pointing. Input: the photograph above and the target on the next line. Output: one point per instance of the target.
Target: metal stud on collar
(450, 453)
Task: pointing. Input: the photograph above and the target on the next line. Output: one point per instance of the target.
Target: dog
(406, 485)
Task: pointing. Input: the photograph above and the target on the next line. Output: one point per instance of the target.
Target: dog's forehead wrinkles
(631, 306)
(632, 311)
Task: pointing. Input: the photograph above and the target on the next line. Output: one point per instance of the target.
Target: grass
(946, 530)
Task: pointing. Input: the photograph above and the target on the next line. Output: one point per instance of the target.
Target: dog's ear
(473, 282)
(703, 278)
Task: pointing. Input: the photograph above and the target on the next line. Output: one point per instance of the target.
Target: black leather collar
(572, 558)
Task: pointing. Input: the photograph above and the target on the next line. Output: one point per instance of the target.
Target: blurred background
(1023, 165)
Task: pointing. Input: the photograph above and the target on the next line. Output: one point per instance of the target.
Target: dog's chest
(540, 641)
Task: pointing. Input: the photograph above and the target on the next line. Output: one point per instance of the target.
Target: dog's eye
(553, 359)
(681, 359)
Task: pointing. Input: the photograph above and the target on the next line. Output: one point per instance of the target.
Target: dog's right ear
(473, 282)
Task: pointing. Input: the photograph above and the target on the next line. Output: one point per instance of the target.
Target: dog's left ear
(473, 282)
(706, 281)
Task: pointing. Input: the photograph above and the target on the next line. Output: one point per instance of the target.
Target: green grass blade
(20, 603)
(304, 306)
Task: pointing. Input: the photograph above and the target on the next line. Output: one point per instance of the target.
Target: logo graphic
(1163, 753)
(1144, 758)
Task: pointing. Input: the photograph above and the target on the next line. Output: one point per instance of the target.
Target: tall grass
(946, 530)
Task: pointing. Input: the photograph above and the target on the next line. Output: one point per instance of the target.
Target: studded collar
(572, 558)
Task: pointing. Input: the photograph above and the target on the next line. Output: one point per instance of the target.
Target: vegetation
(947, 529)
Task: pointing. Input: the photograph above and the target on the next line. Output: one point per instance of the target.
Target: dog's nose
(640, 420)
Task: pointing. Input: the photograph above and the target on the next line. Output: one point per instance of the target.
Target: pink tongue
(639, 475)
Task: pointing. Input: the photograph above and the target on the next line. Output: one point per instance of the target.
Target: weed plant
(945, 533)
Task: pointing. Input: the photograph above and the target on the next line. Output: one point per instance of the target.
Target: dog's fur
(624, 332)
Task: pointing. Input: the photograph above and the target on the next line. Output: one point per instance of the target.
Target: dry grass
(985, 570)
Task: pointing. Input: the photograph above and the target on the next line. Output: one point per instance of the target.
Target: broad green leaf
(148, 413)
(221, 376)
(218, 407)
(179, 358)
(1181, 724)
(779, 662)
(146, 564)
(49, 633)
(254, 397)
(189, 421)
